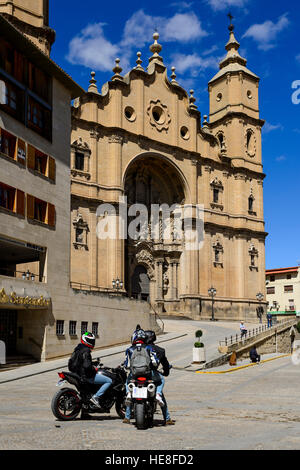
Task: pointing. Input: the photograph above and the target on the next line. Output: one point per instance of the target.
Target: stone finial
(93, 87)
(192, 100)
(205, 123)
(173, 76)
(139, 61)
(155, 48)
(117, 70)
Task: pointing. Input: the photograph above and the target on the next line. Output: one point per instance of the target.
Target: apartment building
(283, 290)
(35, 96)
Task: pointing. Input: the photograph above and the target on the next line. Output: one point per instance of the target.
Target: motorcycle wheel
(66, 404)
(140, 418)
(121, 408)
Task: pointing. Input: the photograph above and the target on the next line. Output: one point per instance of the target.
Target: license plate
(60, 383)
(139, 392)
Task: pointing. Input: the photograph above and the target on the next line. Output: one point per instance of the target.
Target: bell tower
(31, 17)
(234, 106)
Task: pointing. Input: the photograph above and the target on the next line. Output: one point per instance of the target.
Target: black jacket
(161, 354)
(87, 370)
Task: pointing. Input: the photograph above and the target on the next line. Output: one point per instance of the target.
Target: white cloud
(224, 4)
(193, 62)
(298, 58)
(272, 127)
(282, 158)
(183, 27)
(265, 34)
(91, 49)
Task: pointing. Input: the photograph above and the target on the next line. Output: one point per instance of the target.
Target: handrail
(157, 316)
(234, 339)
(12, 273)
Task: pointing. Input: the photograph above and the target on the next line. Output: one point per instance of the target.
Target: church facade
(141, 142)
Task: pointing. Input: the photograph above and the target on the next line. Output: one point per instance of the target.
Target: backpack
(140, 362)
(75, 361)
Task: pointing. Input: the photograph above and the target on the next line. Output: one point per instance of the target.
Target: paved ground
(252, 408)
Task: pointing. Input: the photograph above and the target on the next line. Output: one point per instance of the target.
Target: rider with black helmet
(86, 370)
(162, 359)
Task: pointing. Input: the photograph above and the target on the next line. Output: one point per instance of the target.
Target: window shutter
(30, 206)
(20, 203)
(21, 152)
(30, 157)
(51, 215)
(52, 169)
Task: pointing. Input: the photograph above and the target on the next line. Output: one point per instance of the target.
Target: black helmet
(88, 339)
(138, 336)
(150, 336)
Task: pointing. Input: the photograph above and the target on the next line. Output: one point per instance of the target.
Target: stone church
(142, 138)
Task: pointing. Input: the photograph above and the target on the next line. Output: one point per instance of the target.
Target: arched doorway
(151, 262)
(140, 283)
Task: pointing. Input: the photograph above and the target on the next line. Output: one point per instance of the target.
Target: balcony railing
(24, 275)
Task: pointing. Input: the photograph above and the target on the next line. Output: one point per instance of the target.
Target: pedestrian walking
(270, 319)
(292, 336)
(243, 330)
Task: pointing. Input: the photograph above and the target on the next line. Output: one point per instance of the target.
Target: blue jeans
(157, 377)
(101, 379)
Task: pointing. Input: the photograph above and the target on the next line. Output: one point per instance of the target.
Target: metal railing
(234, 339)
(24, 275)
(157, 317)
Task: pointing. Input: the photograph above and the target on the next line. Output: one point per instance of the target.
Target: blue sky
(90, 35)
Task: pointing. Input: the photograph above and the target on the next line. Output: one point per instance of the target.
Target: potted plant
(198, 349)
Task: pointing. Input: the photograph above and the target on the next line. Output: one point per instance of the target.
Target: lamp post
(117, 284)
(260, 297)
(212, 291)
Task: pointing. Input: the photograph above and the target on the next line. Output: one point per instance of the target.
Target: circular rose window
(158, 115)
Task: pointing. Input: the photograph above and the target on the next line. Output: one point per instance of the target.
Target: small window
(250, 204)
(272, 278)
(270, 290)
(72, 328)
(216, 195)
(252, 260)
(288, 288)
(60, 327)
(84, 327)
(79, 161)
(7, 144)
(41, 162)
(95, 328)
(289, 276)
(7, 197)
(40, 210)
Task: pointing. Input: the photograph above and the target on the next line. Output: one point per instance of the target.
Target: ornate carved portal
(152, 260)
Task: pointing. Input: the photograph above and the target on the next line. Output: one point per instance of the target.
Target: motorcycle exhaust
(151, 388)
(130, 387)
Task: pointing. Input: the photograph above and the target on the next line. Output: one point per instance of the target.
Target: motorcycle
(143, 399)
(68, 402)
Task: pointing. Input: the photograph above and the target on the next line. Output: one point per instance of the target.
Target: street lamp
(117, 284)
(260, 298)
(212, 291)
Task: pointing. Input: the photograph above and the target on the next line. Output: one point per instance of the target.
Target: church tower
(234, 108)
(234, 120)
(31, 17)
